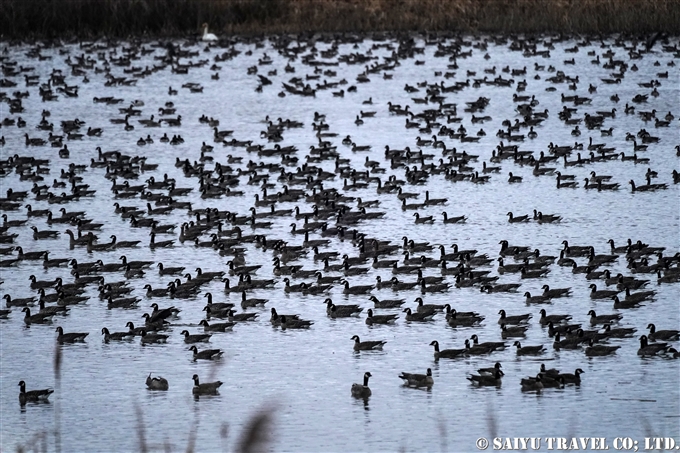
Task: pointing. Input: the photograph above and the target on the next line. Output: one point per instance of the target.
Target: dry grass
(26, 19)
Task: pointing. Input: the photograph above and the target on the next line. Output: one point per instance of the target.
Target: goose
(533, 385)
(602, 294)
(455, 219)
(207, 388)
(639, 296)
(252, 302)
(386, 303)
(362, 391)
(624, 304)
(557, 292)
(418, 380)
(380, 319)
(513, 219)
(45, 234)
(513, 331)
(122, 244)
(493, 379)
(156, 383)
(206, 354)
(197, 338)
(216, 327)
(603, 319)
(240, 317)
(292, 323)
(540, 299)
(150, 337)
(116, 336)
(670, 335)
(72, 337)
(570, 378)
(367, 345)
(620, 332)
(494, 345)
(545, 319)
(453, 320)
(154, 245)
(427, 308)
(33, 395)
(513, 320)
(446, 353)
(425, 219)
(38, 318)
(599, 350)
(418, 316)
(528, 350)
(647, 349)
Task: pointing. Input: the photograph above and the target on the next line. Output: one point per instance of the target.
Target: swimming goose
(33, 395)
(456, 219)
(206, 354)
(362, 391)
(156, 383)
(513, 219)
(619, 332)
(367, 345)
(513, 331)
(670, 335)
(513, 320)
(602, 294)
(70, 337)
(116, 336)
(545, 319)
(540, 299)
(201, 337)
(418, 316)
(446, 353)
(533, 385)
(380, 319)
(252, 302)
(45, 234)
(216, 327)
(494, 345)
(598, 350)
(557, 292)
(647, 349)
(385, 303)
(493, 379)
(427, 308)
(291, 323)
(169, 270)
(208, 388)
(528, 350)
(240, 317)
(150, 337)
(418, 380)
(624, 304)
(603, 319)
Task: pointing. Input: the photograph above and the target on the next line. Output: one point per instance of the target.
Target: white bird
(208, 37)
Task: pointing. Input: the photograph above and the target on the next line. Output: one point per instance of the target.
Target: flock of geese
(324, 179)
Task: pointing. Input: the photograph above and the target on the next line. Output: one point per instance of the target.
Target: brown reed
(28, 19)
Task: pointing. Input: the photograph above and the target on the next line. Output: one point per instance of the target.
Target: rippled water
(304, 377)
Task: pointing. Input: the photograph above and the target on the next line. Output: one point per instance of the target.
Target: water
(303, 378)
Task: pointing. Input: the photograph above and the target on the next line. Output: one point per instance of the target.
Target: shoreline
(89, 19)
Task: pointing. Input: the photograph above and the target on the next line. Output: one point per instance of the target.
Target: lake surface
(303, 377)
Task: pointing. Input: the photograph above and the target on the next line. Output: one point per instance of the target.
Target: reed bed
(26, 19)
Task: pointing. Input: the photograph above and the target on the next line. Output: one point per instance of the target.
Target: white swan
(208, 37)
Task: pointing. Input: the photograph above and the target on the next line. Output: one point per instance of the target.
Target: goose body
(446, 353)
(362, 390)
(367, 345)
(418, 380)
(33, 395)
(481, 380)
(206, 388)
(156, 383)
(72, 337)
